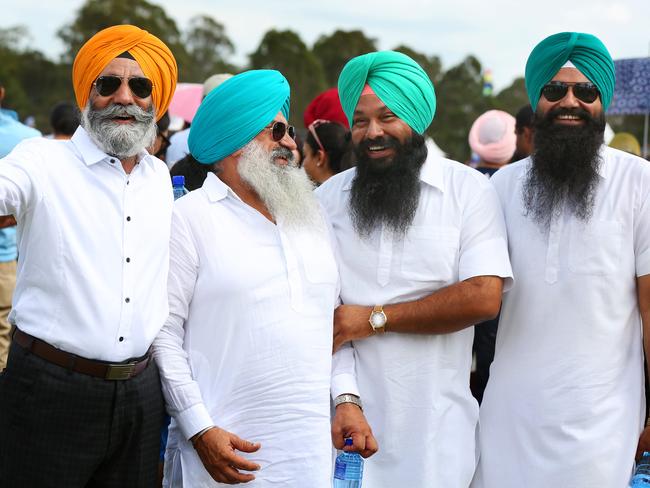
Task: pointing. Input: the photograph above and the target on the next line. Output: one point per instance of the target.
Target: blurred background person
(625, 141)
(492, 138)
(64, 120)
(325, 144)
(11, 133)
(524, 132)
(161, 143)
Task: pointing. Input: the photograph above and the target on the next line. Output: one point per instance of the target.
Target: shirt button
(112, 161)
(127, 299)
(128, 260)
(127, 182)
(128, 219)
(121, 339)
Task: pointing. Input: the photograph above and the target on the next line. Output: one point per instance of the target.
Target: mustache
(114, 110)
(386, 141)
(282, 152)
(576, 112)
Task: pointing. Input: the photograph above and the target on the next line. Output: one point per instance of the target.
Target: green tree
(285, 51)
(95, 15)
(512, 98)
(209, 47)
(33, 83)
(459, 102)
(335, 50)
(430, 64)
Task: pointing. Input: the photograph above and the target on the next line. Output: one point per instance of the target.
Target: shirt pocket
(430, 254)
(595, 248)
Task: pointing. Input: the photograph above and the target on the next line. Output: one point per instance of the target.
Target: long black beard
(387, 192)
(564, 173)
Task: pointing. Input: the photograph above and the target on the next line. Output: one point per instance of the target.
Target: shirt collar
(431, 174)
(215, 189)
(92, 154)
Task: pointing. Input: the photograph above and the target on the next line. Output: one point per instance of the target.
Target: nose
(123, 95)
(374, 130)
(569, 99)
(288, 142)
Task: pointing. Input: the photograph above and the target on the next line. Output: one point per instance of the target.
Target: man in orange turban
(80, 399)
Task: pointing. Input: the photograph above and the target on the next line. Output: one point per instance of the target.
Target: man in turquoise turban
(564, 405)
(246, 354)
(423, 256)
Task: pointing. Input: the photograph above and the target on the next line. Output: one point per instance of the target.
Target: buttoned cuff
(487, 258)
(344, 383)
(194, 420)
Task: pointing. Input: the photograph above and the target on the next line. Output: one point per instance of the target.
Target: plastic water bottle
(178, 184)
(348, 469)
(641, 478)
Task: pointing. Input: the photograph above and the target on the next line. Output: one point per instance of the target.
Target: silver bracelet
(197, 436)
(348, 398)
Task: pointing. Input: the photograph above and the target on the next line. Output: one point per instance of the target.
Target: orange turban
(154, 57)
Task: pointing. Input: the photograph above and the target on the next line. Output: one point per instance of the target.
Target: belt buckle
(120, 371)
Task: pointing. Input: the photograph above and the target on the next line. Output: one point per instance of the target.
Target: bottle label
(339, 469)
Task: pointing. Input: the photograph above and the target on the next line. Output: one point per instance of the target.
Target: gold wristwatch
(378, 319)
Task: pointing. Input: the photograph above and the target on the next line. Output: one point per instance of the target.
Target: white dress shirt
(564, 405)
(248, 342)
(415, 388)
(92, 245)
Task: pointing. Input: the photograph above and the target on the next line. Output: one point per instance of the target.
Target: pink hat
(492, 136)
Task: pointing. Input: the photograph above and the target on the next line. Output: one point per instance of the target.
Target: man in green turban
(423, 256)
(564, 405)
(246, 353)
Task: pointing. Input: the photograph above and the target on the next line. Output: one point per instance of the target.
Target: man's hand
(349, 421)
(644, 443)
(216, 448)
(7, 221)
(350, 323)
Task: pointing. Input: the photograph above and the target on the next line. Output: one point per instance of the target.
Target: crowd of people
(477, 324)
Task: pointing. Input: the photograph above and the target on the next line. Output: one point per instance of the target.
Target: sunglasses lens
(141, 87)
(292, 132)
(278, 131)
(107, 85)
(587, 92)
(554, 92)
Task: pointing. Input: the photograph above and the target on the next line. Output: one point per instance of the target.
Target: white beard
(121, 141)
(287, 191)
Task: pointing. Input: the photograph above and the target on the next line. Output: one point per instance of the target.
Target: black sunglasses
(557, 90)
(139, 86)
(279, 129)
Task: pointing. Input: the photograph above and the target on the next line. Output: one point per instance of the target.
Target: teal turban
(235, 112)
(397, 80)
(586, 52)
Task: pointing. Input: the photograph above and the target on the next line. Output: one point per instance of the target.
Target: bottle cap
(178, 180)
(348, 441)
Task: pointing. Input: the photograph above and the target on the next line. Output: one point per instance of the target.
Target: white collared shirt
(564, 405)
(415, 388)
(92, 243)
(248, 342)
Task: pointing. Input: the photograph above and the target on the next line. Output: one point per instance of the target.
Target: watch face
(377, 320)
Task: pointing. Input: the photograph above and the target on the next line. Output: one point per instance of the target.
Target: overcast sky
(499, 33)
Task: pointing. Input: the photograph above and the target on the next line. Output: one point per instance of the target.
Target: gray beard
(122, 141)
(286, 191)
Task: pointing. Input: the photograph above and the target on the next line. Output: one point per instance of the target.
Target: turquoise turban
(397, 80)
(586, 52)
(235, 112)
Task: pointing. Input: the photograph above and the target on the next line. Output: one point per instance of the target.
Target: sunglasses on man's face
(557, 90)
(107, 85)
(279, 129)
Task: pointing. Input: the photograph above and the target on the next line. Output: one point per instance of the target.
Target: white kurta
(415, 388)
(248, 342)
(564, 405)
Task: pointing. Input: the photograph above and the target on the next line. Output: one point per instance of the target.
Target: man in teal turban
(423, 257)
(566, 383)
(245, 356)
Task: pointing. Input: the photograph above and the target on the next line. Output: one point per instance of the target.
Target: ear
(2, 93)
(321, 158)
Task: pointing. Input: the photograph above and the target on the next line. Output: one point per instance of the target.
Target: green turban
(586, 52)
(397, 80)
